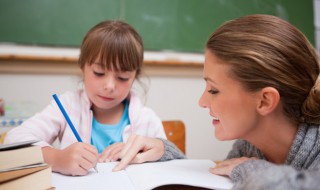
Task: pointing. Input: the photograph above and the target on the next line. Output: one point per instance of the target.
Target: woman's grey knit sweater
(300, 171)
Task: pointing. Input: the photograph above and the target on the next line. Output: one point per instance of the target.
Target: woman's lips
(215, 120)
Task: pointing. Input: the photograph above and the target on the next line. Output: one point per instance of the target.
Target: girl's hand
(139, 149)
(225, 167)
(74, 160)
(111, 153)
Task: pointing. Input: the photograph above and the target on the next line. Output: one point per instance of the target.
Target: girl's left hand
(225, 167)
(111, 153)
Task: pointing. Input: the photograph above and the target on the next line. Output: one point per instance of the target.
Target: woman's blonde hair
(264, 50)
(115, 44)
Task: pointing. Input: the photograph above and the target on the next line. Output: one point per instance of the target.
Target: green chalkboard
(178, 25)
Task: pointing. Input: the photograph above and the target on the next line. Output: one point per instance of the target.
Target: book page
(17, 145)
(104, 179)
(184, 172)
(145, 176)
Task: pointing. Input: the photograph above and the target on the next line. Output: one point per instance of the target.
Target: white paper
(183, 172)
(145, 176)
(104, 179)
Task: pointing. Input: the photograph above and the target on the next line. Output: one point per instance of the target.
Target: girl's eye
(123, 78)
(213, 91)
(99, 74)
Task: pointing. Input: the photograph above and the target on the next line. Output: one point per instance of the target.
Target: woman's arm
(260, 174)
(171, 151)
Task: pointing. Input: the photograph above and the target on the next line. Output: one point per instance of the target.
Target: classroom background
(39, 41)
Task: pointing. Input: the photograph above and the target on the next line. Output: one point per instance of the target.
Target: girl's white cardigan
(49, 124)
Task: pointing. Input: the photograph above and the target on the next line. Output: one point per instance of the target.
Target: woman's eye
(213, 91)
(98, 73)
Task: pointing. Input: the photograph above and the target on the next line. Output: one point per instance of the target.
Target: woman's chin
(221, 136)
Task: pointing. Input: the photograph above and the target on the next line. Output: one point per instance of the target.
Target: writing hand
(74, 160)
(139, 149)
(225, 167)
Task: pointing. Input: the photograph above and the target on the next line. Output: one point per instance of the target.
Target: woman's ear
(269, 99)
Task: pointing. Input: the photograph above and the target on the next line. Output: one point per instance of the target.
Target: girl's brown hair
(115, 44)
(264, 50)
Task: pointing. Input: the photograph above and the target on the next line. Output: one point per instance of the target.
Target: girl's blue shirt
(103, 135)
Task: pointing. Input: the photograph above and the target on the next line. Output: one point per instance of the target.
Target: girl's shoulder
(137, 106)
(74, 97)
(75, 94)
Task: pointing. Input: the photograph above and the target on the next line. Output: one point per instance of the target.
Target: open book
(146, 176)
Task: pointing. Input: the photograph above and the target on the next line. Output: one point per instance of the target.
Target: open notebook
(146, 176)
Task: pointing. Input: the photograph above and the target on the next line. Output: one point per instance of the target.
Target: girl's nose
(109, 84)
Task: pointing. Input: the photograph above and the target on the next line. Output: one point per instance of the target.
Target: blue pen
(55, 97)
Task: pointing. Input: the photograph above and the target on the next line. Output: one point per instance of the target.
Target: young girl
(262, 88)
(105, 113)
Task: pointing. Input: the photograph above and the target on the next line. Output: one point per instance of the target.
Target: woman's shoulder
(244, 148)
(240, 143)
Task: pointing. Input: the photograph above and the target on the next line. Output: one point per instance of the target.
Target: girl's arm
(47, 125)
(139, 149)
(44, 127)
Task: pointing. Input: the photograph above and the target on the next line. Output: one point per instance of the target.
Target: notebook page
(104, 179)
(183, 172)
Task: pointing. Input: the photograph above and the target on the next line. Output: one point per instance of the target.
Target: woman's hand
(111, 153)
(74, 160)
(225, 167)
(139, 149)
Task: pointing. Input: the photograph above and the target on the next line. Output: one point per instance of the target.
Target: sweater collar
(305, 147)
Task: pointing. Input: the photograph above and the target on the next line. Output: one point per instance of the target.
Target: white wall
(170, 97)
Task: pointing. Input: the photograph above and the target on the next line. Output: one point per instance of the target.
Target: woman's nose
(202, 100)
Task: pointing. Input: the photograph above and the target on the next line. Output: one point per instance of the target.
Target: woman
(262, 88)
